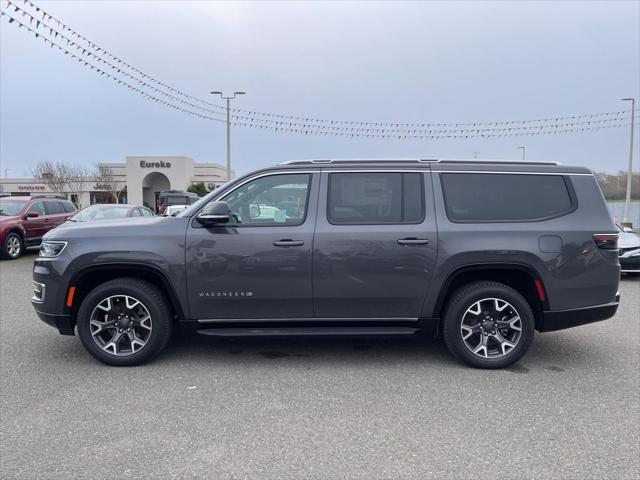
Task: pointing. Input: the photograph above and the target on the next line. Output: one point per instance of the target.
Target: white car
(629, 250)
(173, 210)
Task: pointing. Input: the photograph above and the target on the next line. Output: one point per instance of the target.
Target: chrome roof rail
(413, 160)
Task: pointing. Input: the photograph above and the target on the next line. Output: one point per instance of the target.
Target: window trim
(402, 182)
(565, 178)
(249, 180)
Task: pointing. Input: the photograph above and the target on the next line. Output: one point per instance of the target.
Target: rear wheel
(488, 325)
(124, 322)
(13, 246)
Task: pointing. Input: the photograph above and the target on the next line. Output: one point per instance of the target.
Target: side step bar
(304, 331)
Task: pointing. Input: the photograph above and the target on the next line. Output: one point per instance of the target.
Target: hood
(628, 240)
(136, 226)
(11, 218)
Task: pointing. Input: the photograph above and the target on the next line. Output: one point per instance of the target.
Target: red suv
(24, 220)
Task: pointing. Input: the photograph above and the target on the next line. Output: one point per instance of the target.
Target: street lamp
(228, 99)
(523, 150)
(627, 203)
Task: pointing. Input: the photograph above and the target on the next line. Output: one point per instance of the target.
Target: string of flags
(115, 69)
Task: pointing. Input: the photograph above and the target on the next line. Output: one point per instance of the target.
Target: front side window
(491, 197)
(375, 198)
(271, 200)
(37, 207)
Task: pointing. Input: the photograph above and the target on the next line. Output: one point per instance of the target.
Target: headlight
(50, 249)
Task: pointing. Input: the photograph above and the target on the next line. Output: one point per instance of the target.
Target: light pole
(228, 99)
(627, 203)
(523, 151)
(5, 172)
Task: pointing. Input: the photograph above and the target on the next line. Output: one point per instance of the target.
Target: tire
(12, 242)
(475, 314)
(105, 316)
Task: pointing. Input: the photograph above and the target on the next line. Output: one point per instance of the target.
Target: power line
(609, 120)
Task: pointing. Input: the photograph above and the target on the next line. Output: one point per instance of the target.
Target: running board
(304, 331)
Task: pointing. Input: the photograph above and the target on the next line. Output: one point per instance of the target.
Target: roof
(436, 165)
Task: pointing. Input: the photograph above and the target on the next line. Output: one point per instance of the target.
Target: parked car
(480, 253)
(167, 198)
(24, 221)
(110, 211)
(629, 250)
(173, 210)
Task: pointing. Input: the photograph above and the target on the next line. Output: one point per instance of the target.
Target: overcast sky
(405, 62)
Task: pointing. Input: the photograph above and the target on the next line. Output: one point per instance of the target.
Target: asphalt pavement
(317, 407)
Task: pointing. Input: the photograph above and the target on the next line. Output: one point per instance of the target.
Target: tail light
(606, 241)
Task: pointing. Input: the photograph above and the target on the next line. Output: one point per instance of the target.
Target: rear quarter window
(491, 197)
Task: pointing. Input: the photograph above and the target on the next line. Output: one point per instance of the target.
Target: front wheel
(13, 246)
(124, 322)
(488, 325)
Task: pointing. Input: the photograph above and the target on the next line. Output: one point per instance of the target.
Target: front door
(375, 244)
(259, 264)
(35, 227)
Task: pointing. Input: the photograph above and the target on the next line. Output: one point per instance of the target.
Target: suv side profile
(479, 253)
(24, 221)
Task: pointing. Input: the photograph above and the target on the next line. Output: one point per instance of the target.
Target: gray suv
(479, 253)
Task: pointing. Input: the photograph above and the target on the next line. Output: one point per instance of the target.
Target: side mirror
(214, 213)
(31, 215)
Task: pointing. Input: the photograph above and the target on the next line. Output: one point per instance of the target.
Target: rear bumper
(559, 320)
(62, 322)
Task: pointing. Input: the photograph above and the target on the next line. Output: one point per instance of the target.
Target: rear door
(375, 244)
(54, 214)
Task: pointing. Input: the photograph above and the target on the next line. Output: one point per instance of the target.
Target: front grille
(38, 292)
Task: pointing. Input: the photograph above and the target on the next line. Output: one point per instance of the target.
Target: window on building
(487, 197)
(271, 200)
(375, 198)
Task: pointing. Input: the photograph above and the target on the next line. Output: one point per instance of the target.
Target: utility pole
(627, 203)
(228, 99)
(523, 151)
(5, 172)
(475, 154)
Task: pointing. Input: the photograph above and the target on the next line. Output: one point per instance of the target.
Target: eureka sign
(160, 164)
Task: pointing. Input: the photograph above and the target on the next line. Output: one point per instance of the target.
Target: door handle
(286, 242)
(413, 241)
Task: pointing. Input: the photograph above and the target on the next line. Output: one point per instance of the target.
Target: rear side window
(375, 198)
(68, 207)
(490, 197)
(52, 207)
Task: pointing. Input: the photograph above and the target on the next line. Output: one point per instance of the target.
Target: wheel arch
(522, 278)
(92, 276)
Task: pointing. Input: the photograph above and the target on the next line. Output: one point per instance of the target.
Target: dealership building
(144, 177)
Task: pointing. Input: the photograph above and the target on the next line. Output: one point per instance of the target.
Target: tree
(198, 188)
(62, 177)
(107, 179)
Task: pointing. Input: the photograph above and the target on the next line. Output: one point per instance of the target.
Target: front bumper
(62, 322)
(561, 319)
(630, 264)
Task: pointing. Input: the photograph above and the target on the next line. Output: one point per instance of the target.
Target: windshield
(100, 212)
(10, 207)
(196, 206)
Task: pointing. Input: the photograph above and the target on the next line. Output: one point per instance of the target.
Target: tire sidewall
(150, 297)
(458, 308)
(6, 243)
